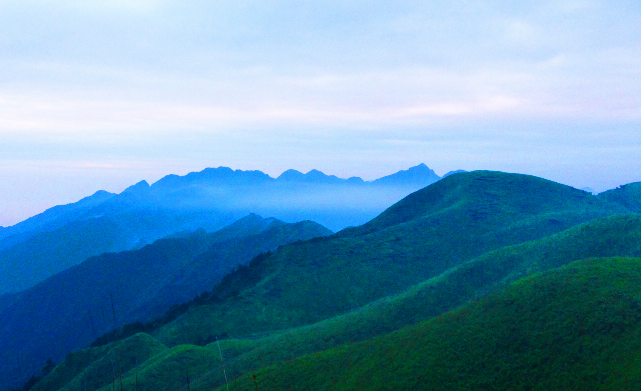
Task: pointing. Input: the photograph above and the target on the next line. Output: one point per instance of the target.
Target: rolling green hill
(574, 328)
(380, 289)
(619, 235)
(93, 368)
(525, 317)
(627, 195)
(444, 225)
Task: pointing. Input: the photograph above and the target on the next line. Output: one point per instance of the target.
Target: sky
(102, 94)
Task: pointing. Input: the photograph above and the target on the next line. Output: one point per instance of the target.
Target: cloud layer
(351, 87)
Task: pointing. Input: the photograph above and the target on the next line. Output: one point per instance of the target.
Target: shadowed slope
(74, 307)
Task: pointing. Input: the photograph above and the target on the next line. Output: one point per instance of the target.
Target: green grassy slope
(627, 195)
(99, 366)
(414, 262)
(573, 328)
(170, 370)
(207, 269)
(612, 236)
(446, 224)
(487, 197)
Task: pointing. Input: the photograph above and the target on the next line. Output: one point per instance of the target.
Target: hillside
(573, 328)
(620, 235)
(46, 253)
(427, 233)
(74, 307)
(410, 264)
(627, 195)
(371, 359)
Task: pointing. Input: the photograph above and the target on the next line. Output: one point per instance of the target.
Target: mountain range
(66, 235)
(481, 280)
(139, 284)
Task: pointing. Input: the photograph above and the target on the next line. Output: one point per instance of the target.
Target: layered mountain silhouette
(66, 235)
(74, 307)
(368, 306)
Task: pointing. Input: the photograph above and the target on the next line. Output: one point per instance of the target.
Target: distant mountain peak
(209, 176)
(291, 175)
(101, 193)
(319, 176)
(312, 176)
(420, 174)
(138, 187)
(315, 172)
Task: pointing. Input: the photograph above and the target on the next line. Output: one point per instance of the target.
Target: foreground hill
(66, 235)
(573, 328)
(74, 307)
(620, 235)
(548, 306)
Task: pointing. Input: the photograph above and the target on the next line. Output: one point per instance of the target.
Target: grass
(627, 195)
(429, 232)
(573, 328)
(342, 298)
(169, 369)
(619, 235)
(96, 367)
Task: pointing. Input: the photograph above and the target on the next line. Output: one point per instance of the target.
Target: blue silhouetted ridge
(420, 174)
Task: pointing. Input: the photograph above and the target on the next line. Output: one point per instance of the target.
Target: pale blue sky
(101, 94)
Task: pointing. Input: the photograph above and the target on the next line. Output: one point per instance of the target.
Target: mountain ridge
(284, 345)
(137, 285)
(354, 266)
(64, 236)
(471, 232)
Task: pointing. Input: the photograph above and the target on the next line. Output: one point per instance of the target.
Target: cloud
(278, 84)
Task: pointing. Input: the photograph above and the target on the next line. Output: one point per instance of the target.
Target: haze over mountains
(433, 251)
(66, 235)
(282, 297)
